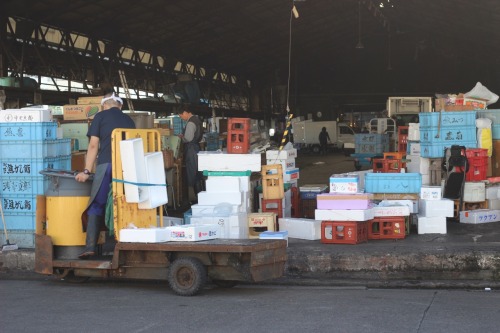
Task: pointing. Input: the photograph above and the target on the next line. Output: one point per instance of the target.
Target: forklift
(186, 266)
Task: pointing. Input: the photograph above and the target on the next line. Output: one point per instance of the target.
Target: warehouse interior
(254, 57)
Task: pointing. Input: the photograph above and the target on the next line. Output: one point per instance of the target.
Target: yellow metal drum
(64, 222)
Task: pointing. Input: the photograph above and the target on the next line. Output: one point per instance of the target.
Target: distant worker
(324, 138)
(191, 137)
(99, 149)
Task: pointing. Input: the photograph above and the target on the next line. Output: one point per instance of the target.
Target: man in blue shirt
(99, 149)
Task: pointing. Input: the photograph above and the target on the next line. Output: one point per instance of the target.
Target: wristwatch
(86, 171)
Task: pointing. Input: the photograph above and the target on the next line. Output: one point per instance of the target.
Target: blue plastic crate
(30, 148)
(32, 166)
(371, 148)
(24, 239)
(436, 149)
(25, 185)
(187, 216)
(19, 203)
(20, 221)
(393, 182)
(460, 119)
(451, 135)
(28, 131)
(63, 147)
(371, 138)
(309, 195)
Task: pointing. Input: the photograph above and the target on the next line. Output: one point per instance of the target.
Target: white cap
(113, 97)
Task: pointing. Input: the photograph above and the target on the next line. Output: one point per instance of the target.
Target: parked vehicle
(306, 134)
(405, 110)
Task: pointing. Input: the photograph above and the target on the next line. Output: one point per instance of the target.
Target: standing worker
(323, 139)
(99, 149)
(191, 137)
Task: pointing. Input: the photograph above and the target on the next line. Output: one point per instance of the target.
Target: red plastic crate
(307, 208)
(273, 206)
(476, 152)
(343, 232)
(238, 135)
(392, 227)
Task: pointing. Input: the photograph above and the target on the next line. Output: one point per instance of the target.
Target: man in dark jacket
(191, 138)
(324, 138)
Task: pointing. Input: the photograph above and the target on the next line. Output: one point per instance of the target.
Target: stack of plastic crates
(26, 149)
(371, 143)
(176, 124)
(212, 139)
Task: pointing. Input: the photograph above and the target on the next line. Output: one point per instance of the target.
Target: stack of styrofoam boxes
(433, 211)
(286, 158)
(440, 130)
(28, 145)
(226, 201)
(344, 204)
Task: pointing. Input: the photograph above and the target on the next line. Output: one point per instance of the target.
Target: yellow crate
(272, 181)
(259, 222)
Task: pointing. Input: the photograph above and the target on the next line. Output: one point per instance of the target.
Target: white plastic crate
(134, 170)
(155, 178)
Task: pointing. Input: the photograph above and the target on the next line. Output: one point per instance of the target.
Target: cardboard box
(80, 112)
(89, 100)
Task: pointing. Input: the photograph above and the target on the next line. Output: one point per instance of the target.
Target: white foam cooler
(436, 208)
(344, 215)
(431, 225)
(301, 228)
(144, 235)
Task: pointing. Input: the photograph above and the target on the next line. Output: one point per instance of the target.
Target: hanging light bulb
(360, 45)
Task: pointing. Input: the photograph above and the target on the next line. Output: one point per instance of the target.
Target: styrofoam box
(291, 174)
(436, 208)
(480, 216)
(274, 235)
(155, 174)
(414, 131)
(222, 184)
(220, 161)
(281, 154)
(134, 169)
(169, 221)
(307, 229)
(383, 211)
(426, 179)
(31, 115)
(344, 215)
(431, 193)
(493, 192)
(418, 164)
(474, 192)
(244, 181)
(344, 183)
(234, 226)
(209, 199)
(193, 233)
(285, 164)
(145, 235)
(494, 203)
(212, 210)
(411, 204)
(414, 148)
(431, 225)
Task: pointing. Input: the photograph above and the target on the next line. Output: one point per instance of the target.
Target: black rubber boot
(93, 227)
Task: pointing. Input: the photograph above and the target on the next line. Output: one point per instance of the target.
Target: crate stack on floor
(282, 188)
(28, 145)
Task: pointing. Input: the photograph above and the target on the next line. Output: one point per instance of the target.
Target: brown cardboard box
(78, 160)
(440, 104)
(89, 100)
(80, 112)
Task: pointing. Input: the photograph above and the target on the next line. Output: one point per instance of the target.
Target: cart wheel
(357, 165)
(68, 275)
(225, 283)
(187, 276)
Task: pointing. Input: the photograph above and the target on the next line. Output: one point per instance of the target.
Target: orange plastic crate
(387, 165)
(343, 232)
(392, 227)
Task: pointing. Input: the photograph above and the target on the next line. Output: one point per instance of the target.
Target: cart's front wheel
(187, 276)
